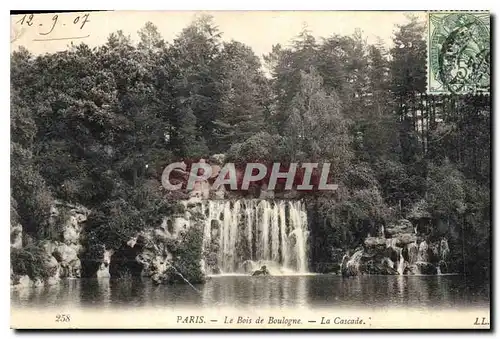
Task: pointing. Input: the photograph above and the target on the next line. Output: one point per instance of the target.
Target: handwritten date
(29, 20)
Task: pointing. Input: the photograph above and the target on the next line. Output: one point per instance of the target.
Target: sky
(42, 33)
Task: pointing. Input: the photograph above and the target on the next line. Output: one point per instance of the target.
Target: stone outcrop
(103, 270)
(62, 252)
(16, 236)
(148, 254)
(397, 250)
(67, 222)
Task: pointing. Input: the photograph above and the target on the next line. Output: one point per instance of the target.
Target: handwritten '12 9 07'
(30, 19)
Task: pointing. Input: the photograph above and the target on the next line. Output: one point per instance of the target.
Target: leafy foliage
(187, 254)
(30, 261)
(97, 126)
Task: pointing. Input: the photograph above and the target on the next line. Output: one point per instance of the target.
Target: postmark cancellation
(458, 46)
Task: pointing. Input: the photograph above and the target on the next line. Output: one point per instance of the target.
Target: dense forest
(97, 126)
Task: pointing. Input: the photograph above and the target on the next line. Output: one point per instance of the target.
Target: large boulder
(66, 221)
(375, 245)
(265, 193)
(410, 253)
(220, 193)
(399, 227)
(55, 270)
(103, 270)
(426, 268)
(405, 239)
(351, 265)
(16, 236)
(19, 282)
(385, 267)
(444, 249)
(423, 252)
(154, 263)
(411, 270)
(67, 257)
(218, 159)
(375, 242)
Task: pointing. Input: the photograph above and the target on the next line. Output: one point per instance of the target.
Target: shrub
(187, 256)
(31, 261)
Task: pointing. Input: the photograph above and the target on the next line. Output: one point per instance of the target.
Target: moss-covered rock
(34, 262)
(401, 226)
(426, 268)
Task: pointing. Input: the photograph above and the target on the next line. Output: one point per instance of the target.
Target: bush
(187, 254)
(31, 261)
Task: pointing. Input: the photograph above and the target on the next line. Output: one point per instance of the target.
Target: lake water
(309, 291)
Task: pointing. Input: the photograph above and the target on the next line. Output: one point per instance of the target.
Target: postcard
(250, 170)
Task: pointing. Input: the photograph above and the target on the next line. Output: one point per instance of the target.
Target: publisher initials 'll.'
(483, 321)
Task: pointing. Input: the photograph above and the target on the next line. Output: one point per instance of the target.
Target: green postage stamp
(458, 46)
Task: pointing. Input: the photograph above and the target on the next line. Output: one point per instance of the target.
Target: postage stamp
(196, 170)
(458, 46)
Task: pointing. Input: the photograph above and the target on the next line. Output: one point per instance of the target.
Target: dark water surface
(313, 291)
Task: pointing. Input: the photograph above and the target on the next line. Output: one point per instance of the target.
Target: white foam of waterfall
(285, 255)
(273, 233)
(401, 262)
(298, 217)
(263, 244)
(355, 261)
(342, 262)
(250, 217)
(422, 252)
(229, 236)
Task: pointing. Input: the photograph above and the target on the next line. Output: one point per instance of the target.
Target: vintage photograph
(251, 169)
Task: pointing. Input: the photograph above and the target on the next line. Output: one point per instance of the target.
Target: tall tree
(197, 85)
(243, 96)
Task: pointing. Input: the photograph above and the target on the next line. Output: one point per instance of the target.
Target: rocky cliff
(164, 252)
(398, 249)
(58, 257)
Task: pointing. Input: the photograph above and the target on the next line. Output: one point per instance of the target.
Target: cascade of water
(354, 262)
(227, 257)
(275, 233)
(249, 213)
(422, 252)
(401, 262)
(285, 255)
(412, 253)
(343, 263)
(381, 232)
(444, 249)
(264, 205)
(256, 232)
(298, 219)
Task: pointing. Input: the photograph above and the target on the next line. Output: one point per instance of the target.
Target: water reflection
(283, 291)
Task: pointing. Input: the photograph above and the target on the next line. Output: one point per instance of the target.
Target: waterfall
(401, 262)
(422, 252)
(412, 253)
(343, 263)
(381, 232)
(353, 264)
(285, 254)
(252, 233)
